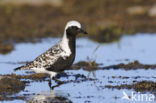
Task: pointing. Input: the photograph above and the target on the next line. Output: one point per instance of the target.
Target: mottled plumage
(61, 56)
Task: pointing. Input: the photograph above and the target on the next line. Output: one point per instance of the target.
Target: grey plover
(61, 56)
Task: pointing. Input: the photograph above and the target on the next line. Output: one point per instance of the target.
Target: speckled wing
(45, 60)
(48, 58)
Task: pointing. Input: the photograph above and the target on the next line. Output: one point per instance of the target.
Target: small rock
(137, 10)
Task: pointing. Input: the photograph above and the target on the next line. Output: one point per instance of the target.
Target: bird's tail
(26, 66)
(18, 68)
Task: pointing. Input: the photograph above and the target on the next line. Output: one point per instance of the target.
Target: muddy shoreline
(17, 83)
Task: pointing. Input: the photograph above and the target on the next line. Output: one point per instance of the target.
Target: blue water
(139, 47)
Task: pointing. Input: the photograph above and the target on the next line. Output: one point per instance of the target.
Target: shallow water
(139, 47)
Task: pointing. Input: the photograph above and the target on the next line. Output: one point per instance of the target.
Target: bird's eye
(76, 28)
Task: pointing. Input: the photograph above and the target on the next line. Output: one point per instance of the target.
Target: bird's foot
(57, 81)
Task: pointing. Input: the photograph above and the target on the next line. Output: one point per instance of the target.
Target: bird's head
(73, 28)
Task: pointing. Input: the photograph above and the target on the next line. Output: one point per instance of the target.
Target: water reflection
(49, 97)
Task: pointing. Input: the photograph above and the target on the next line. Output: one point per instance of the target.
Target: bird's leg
(50, 83)
(56, 80)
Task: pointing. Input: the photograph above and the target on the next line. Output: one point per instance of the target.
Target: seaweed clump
(89, 66)
(9, 86)
(35, 76)
(143, 86)
(92, 65)
(131, 66)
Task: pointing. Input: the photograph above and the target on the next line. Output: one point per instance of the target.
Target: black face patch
(72, 31)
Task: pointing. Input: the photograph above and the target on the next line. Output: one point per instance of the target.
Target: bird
(59, 57)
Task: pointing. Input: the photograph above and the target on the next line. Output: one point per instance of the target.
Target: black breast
(64, 64)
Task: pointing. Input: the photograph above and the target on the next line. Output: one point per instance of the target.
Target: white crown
(72, 23)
